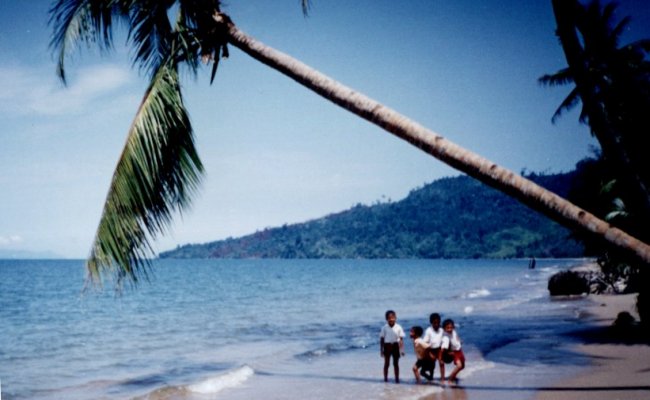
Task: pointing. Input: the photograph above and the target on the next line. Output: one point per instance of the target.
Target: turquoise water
(234, 329)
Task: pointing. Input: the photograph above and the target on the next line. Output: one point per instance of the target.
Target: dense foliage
(612, 82)
(455, 217)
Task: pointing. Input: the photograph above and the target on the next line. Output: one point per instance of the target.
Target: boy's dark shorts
(391, 349)
(425, 363)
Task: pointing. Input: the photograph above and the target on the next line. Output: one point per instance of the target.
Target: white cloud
(11, 240)
(31, 91)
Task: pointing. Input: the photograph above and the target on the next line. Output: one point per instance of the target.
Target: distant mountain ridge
(454, 217)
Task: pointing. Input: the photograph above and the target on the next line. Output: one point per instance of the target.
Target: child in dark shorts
(425, 364)
(433, 337)
(391, 344)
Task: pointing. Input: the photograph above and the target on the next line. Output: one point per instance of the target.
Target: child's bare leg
(459, 367)
(416, 372)
(386, 365)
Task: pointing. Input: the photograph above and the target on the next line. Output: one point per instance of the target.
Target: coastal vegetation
(612, 83)
(447, 218)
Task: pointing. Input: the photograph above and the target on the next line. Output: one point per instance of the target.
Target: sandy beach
(620, 359)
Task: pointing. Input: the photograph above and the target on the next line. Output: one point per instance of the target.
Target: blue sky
(274, 152)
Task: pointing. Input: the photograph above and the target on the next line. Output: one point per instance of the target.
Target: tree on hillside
(159, 168)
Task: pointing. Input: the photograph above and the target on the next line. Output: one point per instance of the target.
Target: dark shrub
(567, 283)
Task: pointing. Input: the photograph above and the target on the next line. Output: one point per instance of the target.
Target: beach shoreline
(619, 358)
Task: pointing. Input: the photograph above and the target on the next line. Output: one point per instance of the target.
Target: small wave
(476, 366)
(331, 349)
(477, 293)
(548, 271)
(212, 385)
(220, 382)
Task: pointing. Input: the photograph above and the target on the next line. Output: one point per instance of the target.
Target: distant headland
(453, 217)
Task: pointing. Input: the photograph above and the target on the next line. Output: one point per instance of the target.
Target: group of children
(440, 344)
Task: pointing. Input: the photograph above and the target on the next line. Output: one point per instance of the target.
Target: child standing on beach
(424, 364)
(433, 338)
(391, 344)
(450, 351)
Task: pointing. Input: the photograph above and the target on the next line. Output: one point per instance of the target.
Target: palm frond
(618, 30)
(150, 33)
(605, 13)
(209, 40)
(77, 21)
(608, 187)
(619, 211)
(561, 77)
(642, 46)
(567, 104)
(306, 5)
(157, 173)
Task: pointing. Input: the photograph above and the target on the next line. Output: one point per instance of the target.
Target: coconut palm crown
(159, 168)
(607, 65)
(612, 81)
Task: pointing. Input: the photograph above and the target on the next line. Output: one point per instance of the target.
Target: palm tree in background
(159, 169)
(613, 84)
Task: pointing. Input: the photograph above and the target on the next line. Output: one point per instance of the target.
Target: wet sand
(619, 357)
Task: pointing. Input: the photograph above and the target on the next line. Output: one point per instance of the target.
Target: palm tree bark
(522, 189)
(610, 140)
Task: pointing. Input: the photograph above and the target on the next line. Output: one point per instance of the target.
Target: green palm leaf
(78, 21)
(159, 169)
(150, 34)
(157, 173)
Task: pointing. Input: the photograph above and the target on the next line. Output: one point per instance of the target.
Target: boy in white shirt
(391, 343)
(433, 337)
(450, 350)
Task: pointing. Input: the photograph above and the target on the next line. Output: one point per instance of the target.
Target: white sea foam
(478, 293)
(220, 382)
(468, 309)
(475, 366)
(416, 392)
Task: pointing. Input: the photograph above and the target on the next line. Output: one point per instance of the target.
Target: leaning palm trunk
(522, 189)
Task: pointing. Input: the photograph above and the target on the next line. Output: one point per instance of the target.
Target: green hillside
(455, 217)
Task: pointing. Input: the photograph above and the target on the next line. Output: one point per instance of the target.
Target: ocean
(277, 329)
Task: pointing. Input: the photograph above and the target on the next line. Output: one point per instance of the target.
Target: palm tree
(613, 84)
(159, 169)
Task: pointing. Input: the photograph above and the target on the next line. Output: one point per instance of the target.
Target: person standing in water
(391, 344)
(451, 351)
(433, 337)
(424, 364)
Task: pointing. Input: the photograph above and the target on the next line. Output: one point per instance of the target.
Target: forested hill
(455, 217)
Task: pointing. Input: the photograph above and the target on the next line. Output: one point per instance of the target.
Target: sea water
(276, 329)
